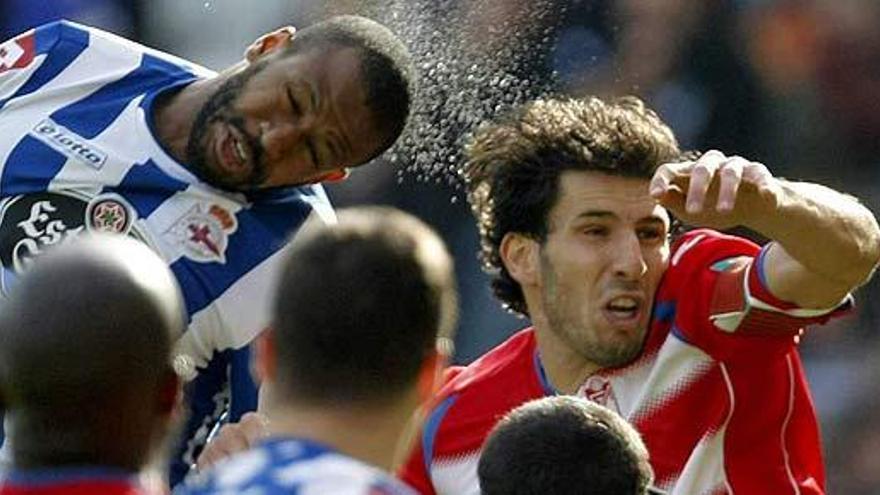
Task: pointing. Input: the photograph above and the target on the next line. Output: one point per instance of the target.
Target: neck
(35, 455)
(566, 369)
(367, 433)
(46, 442)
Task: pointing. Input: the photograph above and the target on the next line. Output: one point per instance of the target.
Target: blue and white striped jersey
(293, 467)
(78, 153)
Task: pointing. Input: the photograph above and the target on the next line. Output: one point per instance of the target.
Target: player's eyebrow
(598, 214)
(653, 219)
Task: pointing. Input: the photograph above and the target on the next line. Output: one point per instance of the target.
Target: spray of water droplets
(476, 59)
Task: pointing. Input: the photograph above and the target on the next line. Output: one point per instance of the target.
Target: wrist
(768, 216)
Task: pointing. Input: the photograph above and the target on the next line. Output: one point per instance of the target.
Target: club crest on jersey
(17, 53)
(32, 223)
(598, 389)
(109, 213)
(203, 233)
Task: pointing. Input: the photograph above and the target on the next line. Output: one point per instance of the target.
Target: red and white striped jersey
(718, 392)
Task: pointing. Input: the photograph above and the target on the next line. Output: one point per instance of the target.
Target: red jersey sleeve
(722, 303)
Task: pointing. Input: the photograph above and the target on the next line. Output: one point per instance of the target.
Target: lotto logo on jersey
(70, 144)
(17, 53)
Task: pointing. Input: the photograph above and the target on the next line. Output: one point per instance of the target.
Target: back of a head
(360, 307)
(88, 328)
(560, 446)
(386, 65)
(513, 166)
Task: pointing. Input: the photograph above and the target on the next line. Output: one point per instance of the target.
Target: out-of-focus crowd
(793, 83)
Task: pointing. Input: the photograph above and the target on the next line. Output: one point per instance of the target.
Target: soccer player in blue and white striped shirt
(213, 171)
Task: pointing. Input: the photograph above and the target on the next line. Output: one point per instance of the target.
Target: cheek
(282, 174)
(657, 264)
(581, 265)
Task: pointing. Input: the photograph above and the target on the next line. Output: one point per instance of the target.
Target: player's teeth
(239, 149)
(623, 303)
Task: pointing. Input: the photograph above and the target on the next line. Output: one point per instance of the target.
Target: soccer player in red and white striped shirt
(695, 343)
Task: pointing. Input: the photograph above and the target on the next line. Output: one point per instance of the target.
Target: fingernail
(692, 207)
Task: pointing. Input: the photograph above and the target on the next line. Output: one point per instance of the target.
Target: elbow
(865, 263)
(873, 259)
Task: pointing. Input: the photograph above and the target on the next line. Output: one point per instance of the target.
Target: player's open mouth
(624, 310)
(234, 153)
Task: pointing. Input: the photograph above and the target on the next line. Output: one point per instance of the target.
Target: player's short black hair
(86, 333)
(563, 446)
(513, 167)
(386, 64)
(360, 306)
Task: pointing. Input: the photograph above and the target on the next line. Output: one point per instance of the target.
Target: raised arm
(825, 243)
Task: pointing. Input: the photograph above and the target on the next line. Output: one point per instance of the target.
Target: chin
(620, 353)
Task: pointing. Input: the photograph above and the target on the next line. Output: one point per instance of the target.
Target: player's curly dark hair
(386, 64)
(512, 167)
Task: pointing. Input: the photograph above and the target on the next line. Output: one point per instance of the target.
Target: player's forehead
(333, 80)
(332, 67)
(600, 196)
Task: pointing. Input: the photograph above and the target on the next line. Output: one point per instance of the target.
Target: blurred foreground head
(360, 309)
(85, 355)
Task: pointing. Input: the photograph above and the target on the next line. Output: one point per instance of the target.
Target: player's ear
(269, 42)
(335, 176)
(170, 393)
(430, 375)
(265, 356)
(520, 255)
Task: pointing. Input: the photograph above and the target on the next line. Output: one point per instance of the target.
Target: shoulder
(238, 472)
(513, 359)
(288, 466)
(697, 251)
(63, 29)
(308, 199)
(332, 472)
(473, 399)
(64, 35)
(21, 50)
(701, 245)
(66, 52)
(110, 44)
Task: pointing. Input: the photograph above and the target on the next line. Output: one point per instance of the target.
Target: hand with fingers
(233, 438)
(716, 190)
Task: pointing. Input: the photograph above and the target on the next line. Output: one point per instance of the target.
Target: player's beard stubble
(218, 110)
(579, 329)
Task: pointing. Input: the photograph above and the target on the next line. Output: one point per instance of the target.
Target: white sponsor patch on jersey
(69, 143)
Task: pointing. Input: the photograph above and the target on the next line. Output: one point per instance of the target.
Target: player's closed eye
(651, 235)
(295, 107)
(596, 231)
